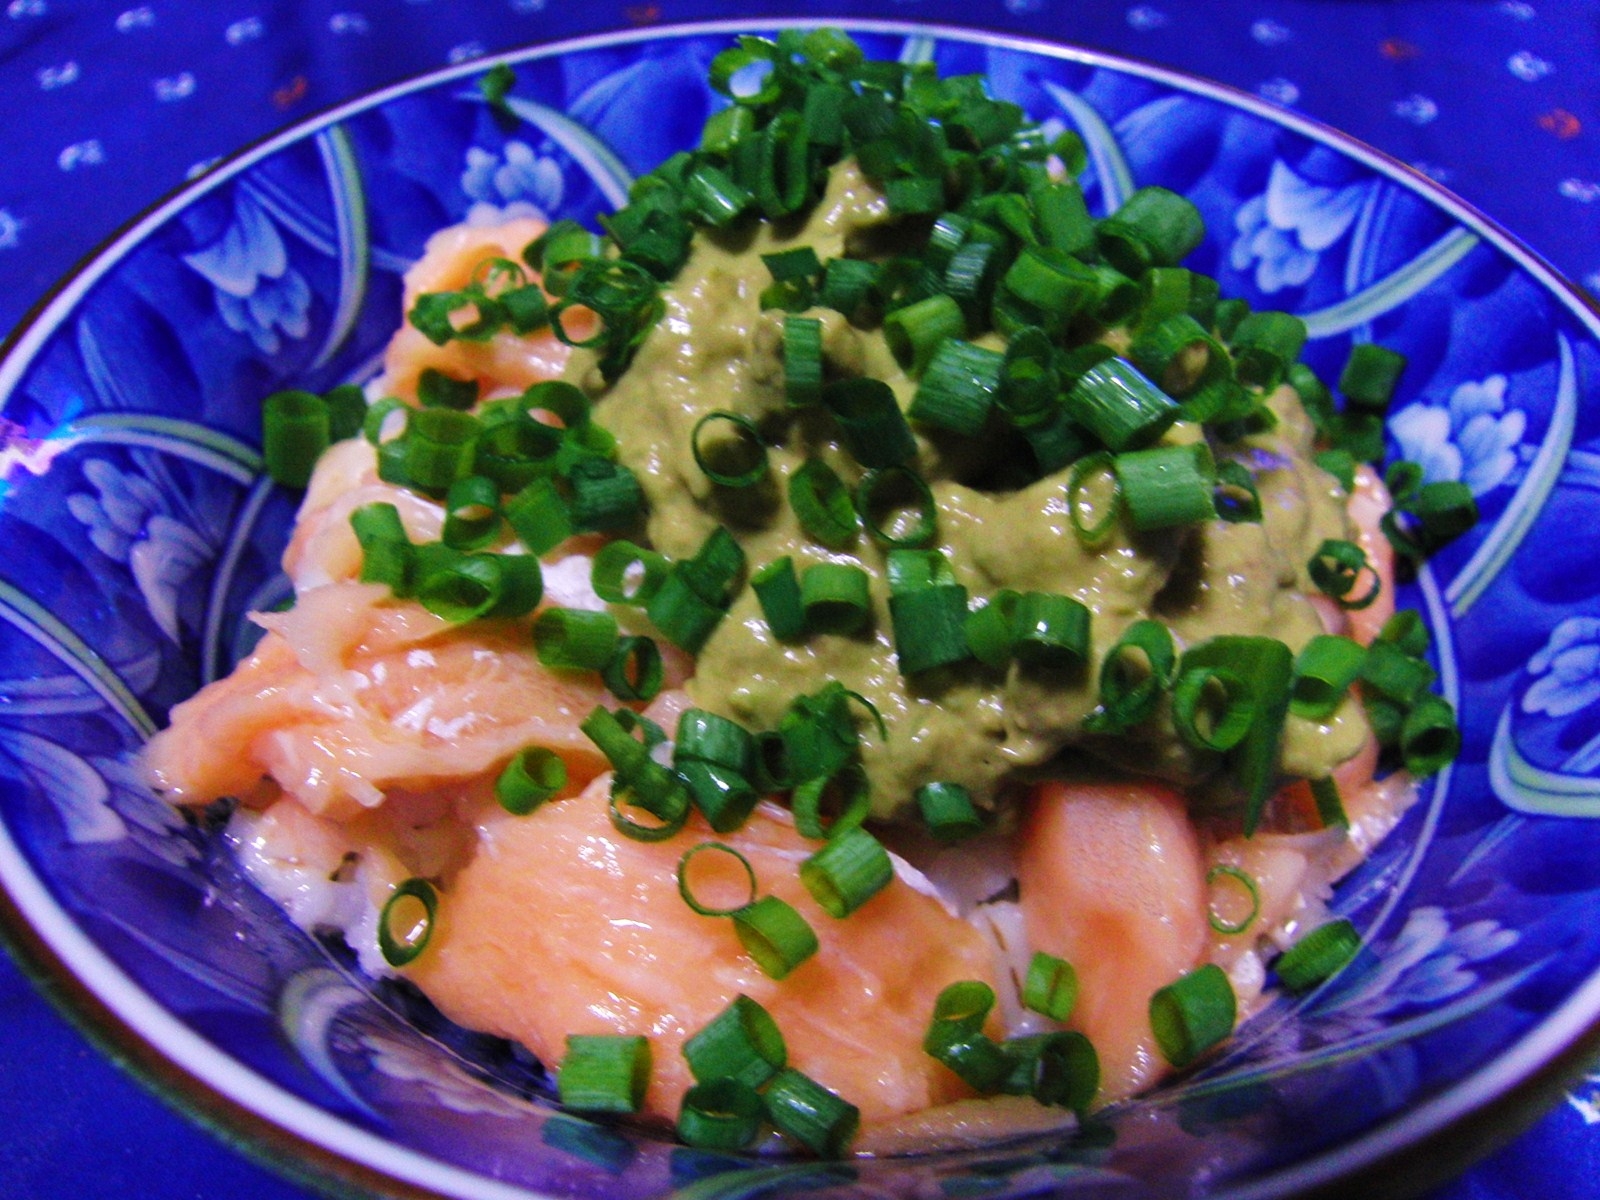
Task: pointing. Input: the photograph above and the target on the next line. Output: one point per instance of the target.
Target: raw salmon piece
(1111, 879)
(506, 361)
(561, 925)
(351, 694)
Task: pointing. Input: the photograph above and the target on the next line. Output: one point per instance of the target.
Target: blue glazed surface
(138, 534)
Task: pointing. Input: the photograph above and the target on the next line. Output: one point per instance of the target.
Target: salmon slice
(561, 925)
(1112, 880)
(506, 361)
(352, 693)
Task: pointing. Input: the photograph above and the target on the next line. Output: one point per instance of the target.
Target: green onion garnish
(915, 332)
(604, 1073)
(1265, 345)
(842, 793)
(539, 516)
(958, 387)
(634, 670)
(821, 504)
(1167, 486)
(1051, 986)
(742, 1042)
(1429, 737)
(723, 1114)
(1323, 673)
(990, 631)
(686, 889)
(1050, 630)
(472, 513)
(575, 640)
(406, 922)
(848, 871)
(1122, 408)
(1193, 1014)
(948, 811)
(1236, 497)
(1330, 805)
(802, 1109)
(624, 573)
(1133, 675)
(1238, 881)
(1153, 228)
(802, 360)
(1318, 956)
(897, 507)
(1369, 376)
(435, 389)
(836, 598)
(775, 935)
(871, 425)
(729, 449)
(930, 626)
(295, 430)
(777, 590)
(533, 775)
(1264, 666)
(1337, 567)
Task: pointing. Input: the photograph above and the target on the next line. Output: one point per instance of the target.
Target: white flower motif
(1528, 66)
(1570, 668)
(1284, 230)
(517, 182)
(1470, 438)
(128, 522)
(258, 293)
(1268, 32)
(10, 230)
(1279, 90)
(1416, 108)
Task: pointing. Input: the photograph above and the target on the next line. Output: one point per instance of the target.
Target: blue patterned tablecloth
(108, 106)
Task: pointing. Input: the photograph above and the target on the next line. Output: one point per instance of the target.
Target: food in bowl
(1019, 609)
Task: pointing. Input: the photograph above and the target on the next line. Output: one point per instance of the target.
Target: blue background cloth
(108, 107)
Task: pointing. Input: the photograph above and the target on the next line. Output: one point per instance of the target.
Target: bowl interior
(138, 532)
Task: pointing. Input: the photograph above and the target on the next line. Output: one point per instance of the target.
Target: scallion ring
(1337, 567)
(897, 507)
(1251, 890)
(729, 449)
(406, 922)
(1212, 708)
(533, 775)
(687, 890)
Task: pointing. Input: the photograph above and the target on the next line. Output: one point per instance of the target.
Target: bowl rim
(231, 1100)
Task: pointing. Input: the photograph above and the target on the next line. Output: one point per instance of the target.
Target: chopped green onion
(777, 590)
(822, 504)
(844, 790)
(385, 549)
(515, 450)
(1043, 287)
(897, 507)
(439, 445)
(836, 598)
(604, 1073)
(377, 426)
(406, 922)
(605, 495)
(1133, 675)
(634, 671)
(458, 587)
(1236, 498)
(1051, 986)
(802, 1109)
(1370, 375)
(1220, 923)
(802, 360)
(1265, 667)
(1153, 228)
(1122, 408)
(472, 513)
(684, 617)
(686, 890)
(1394, 674)
(1429, 737)
(533, 775)
(1337, 567)
(1432, 515)
(294, 433)
(871, 425)
(930, 626)
(574, 640)
(1213, 708)
(624, 573)
(1265, 346)
(1094, 496)
(724, 796)
(741, 1042)
(1060, 1069)
(347, 410)
(1323, 673)
(847, 284)
(848, 871)
(539, 516)
(974, 1056)
(708, 737)
(958, 387)
(1193, 1014)
(1330, 805)
(776, 936)
(1318, 956)
(435, 389)
(1050, 630)
(737, 458)
(990, 631)
(1167, 486)
(723, 1114)
(1341, 466)
(1063, 217)
(948, 811)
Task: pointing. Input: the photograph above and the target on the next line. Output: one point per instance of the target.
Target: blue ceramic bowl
(137, 532)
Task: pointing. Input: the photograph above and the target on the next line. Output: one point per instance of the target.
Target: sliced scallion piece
(897, 507)
(821, 504)
(1050, 630)
(605, 1073)
(1330, 805)
(990, 631)
(1153, 228)
(741, 1042)
(1369, 376)
(1318, 956)
(1122, 408)
(1264, 666)
(539, 516)
(1323, 673)
(687, 889)
(472, 513)
(1193, 1014)
(295, 432)
(407, 920)
(575, 640)
(948, 811)
(722, 1114)
(802, 360)
(958, 388)
(634, 670)
(1133, 675)
(873, 428)
(729, 449)
(624, 573)
(775, 935)
(1236, 498)
(842, 794)
(1337, 567)
(801, 1108)
(930, 626)
(1429, 736)
(1238, 883)
(1167, 486)
(1051, 986)
(850, 869)
(835, 598)
(533, 775)
(777, 589)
